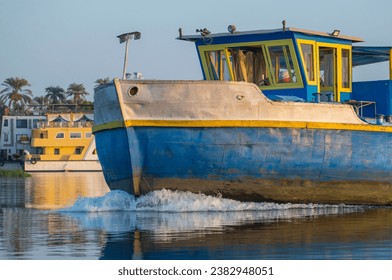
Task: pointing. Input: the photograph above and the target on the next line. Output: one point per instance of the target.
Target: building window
(60, 135)
(21, 123)
(35, 123)
(75, 135)
(56, 151)
(6, 123)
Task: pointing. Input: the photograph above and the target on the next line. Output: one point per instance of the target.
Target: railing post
(390, 64)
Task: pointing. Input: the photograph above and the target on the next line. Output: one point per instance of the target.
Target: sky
(58, 42)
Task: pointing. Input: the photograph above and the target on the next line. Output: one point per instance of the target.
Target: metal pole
(125, 38)
(125, 60)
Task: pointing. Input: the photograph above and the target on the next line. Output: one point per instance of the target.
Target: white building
(16, 134)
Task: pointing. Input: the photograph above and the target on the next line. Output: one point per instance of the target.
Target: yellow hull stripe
(242, 123)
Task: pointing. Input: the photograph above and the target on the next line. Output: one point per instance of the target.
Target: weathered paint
(167, 139)
(273, 164)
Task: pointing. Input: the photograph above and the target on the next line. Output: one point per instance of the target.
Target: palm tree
(77, 92)
(15, 93)
(55, 95)
(41, 100)
(102, 81)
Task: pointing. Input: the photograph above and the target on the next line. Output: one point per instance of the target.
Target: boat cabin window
(308, 54)
(217, 65)
(42, 134)
(75, 135)
(346, 82)
(88, 135)
(78, 151)
(249, 65)
(56, 151)
(282, 64)
(327, 61)
(60, 135)
(267, 64)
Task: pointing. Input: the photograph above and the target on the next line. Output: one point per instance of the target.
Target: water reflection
(29, 231)
(294, 234)
(54, 190)
(74, 216)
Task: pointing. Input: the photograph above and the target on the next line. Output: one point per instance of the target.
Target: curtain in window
(77, 117)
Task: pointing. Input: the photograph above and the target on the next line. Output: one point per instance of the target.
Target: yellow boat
(63, 143)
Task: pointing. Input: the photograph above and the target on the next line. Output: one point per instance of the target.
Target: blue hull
(258, 164)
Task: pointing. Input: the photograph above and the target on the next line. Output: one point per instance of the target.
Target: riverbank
(12, 169)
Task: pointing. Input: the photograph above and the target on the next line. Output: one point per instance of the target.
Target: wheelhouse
(290, 64)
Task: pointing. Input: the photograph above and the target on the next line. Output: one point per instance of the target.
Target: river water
(74, 216)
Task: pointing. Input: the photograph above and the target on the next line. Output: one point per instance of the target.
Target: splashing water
(176, 201)
(166, 212)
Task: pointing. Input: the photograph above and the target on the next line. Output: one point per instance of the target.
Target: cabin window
(346, 68)
(217, 65)
(327, 66)
(308, 60)
(78, 151)
(88, 135)
(249, 65)
(271, 64)
(282, 64)
(56, 151)
(60, 135)
(75, 135)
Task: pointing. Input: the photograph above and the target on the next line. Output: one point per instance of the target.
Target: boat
(277, 117)
(64, 142)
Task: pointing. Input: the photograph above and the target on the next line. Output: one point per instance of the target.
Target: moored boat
(64, 143)
(277, 119)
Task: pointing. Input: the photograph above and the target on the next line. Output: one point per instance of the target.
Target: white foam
(177, 201)
(166, 212)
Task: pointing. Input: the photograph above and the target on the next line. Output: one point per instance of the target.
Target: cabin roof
(363, 55)
(195, 38)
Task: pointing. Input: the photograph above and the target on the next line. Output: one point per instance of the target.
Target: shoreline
(13, 169)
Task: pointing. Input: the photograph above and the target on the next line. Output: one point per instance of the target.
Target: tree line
(17, 95)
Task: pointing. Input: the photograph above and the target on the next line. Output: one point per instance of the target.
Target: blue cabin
(296, 65)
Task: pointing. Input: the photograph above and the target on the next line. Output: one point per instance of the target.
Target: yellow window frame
(205, 64)
(349, 66)
(274, 83)
(264, 45)
(314, 60)
(338, 68)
